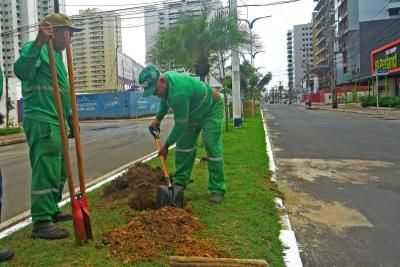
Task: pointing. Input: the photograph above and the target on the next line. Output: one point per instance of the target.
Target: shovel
(166, 194)
(79, 155)
(77, 215)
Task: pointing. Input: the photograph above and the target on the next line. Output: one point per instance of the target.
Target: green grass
(244, 226)
(9, 131)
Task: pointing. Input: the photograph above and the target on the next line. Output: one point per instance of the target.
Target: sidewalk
(355, 108)
(12, 139)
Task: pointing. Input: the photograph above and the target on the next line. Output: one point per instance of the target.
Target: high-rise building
(323, 24)
(363, 19)
(303, 57)
(95, 50)
(19, 20)
(44, 7)
(289, 38)
(161, 16)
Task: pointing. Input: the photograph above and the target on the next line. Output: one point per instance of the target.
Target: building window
(394, 11)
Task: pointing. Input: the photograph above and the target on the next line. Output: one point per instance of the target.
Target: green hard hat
(148, 78)
(61, 20)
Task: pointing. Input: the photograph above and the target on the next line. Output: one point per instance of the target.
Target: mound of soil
(138, 185)
(158, 232)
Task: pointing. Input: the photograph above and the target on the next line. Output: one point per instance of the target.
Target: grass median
(246, 225)
(10, 131)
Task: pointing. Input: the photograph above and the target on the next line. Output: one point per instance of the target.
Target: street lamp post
(257, 69)
(251, 25)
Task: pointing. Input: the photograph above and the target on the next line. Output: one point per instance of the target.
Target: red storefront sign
(386, 58)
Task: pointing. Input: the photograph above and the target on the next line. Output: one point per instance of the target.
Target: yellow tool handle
(163, 163)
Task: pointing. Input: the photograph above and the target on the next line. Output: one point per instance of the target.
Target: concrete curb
(22, 220)
(291, 250)
(12, 141)
(359, 112)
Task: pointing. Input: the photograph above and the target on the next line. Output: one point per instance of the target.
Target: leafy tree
(192, 43)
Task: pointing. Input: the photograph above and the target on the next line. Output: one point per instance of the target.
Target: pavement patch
(306, 210)
(339, 171)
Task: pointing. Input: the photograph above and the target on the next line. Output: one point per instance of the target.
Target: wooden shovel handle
(64, 141)
(163, 163)
(79, 154)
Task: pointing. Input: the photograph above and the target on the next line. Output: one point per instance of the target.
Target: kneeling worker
(196, 106)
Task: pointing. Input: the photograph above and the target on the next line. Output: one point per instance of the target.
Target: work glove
(70, 123)
(155, 124)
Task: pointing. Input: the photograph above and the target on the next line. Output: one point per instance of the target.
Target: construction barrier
(116, 105)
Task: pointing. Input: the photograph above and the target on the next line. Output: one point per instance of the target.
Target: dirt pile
(138, 185)
(156, 233)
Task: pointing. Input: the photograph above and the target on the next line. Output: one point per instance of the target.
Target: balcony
(321, 13)
(320, 31)
(320, 62)
(342, 17)
(320, 41)
(322, 50)
(340, 3)
(319, 22)
(320, 4)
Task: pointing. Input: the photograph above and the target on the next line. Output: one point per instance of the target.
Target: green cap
(148, 78)
(61, 20)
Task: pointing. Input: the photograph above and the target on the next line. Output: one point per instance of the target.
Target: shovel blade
(79, 226)
(164, 196)
(86, 219)
(177, 196)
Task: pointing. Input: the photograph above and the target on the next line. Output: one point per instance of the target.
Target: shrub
(385, 101)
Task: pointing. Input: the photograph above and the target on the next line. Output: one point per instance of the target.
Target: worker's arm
(162, 110)
(25, 66)
(180, 105)
(28, 61)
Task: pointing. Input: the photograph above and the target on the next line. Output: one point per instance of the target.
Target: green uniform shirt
(33, 69)
(189, 98)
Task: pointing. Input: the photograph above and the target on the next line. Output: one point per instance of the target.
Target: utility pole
(7, 102)
(280, 88)
(236, 101)
(56, 6)
(308, 78)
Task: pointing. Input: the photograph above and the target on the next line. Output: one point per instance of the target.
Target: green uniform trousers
(48, 169)
(186, 147)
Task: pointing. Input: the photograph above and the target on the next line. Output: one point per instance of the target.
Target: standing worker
(196, 107)
(41, 124)
(5, 254)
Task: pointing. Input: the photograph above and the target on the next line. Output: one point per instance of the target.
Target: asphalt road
(341, 177)
(107, 145)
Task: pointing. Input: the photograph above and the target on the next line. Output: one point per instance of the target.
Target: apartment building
(303, 57)
(95, 50)
(157, 17)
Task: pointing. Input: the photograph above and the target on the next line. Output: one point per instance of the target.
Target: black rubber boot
(62, 216)
(178, 196)
(48, 230)
(6, 255)
(216, 198)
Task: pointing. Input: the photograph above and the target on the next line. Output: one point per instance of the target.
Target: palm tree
(191, 43)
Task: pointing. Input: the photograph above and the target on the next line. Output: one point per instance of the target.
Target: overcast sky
(271, 30)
